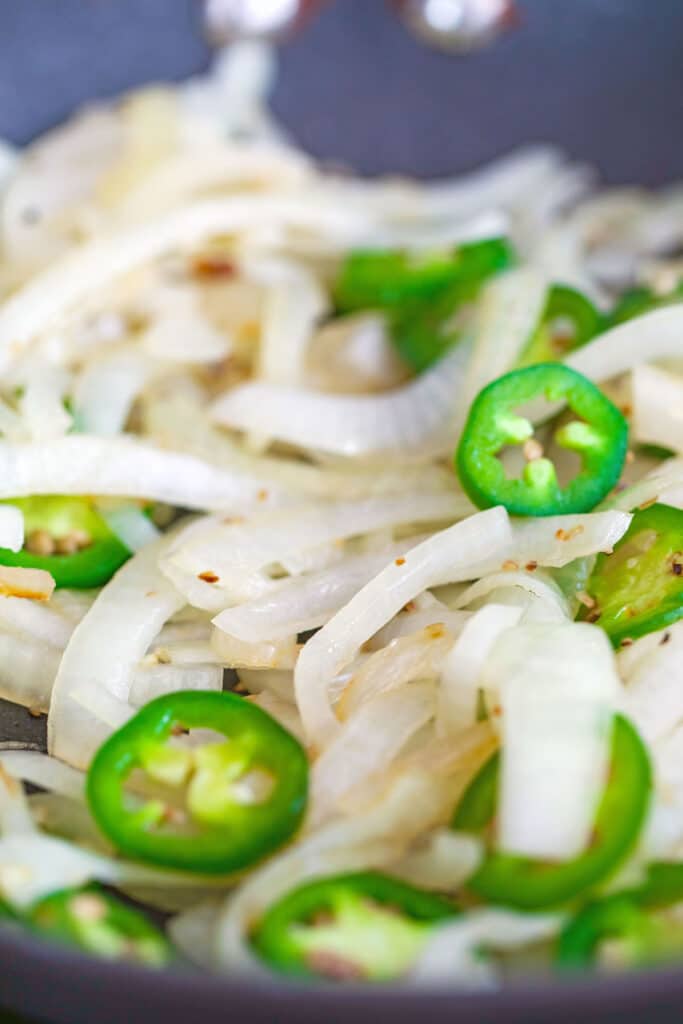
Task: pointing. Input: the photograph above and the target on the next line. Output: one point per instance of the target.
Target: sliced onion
(654, 697)
(658, 407)
(91, 267)
(417, 656)
(105, 391)
(443, 862)
(35, 584)
(663, 484)
(446, 556)
(558, 690)
(453, 956)
(124, 620)
(645, 339)
(234, 653)
(510, 311)
(463, 666)
(124, 467)
(407, 418)
(27, 670)
(44, 771)
(160, 680)
(130, 524)
(11, 528)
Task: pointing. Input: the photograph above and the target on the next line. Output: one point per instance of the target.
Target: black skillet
(604, 79)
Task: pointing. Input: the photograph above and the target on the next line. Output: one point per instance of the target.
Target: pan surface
(603, 79)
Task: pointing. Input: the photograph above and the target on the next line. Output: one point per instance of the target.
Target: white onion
(120, 466)
(105, 391)
(558, 689)
(44, 771)
(647, 338)
(443, 862)
(11, 528)
(658, 407)
(408, 417)
(463, 665)
(130, 524)
(654, 697)
(124, 619)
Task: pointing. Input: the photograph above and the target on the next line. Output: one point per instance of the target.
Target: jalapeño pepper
(420, 293)
(569, 320)
(638, 301)
(376, 279)
(66, 537)
(529, 884)
(349, 928)
(639, 587)
(96, 922)
(627, 917)
(598, 436)
(222, 806)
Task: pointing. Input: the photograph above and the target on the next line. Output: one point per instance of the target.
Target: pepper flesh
(638, 589)
(638, 301)
(59, 516)
(229, 803)
(420, 293)
(94, 921)
(598, 436)
(568, 321)
(529, 884)
(349, 927)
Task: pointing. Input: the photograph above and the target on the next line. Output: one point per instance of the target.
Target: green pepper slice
(352, 927)
(381, 279)
(80, 551)
(627, 916)
(569, 320)
(643, 939)
(529, 884)
(222, 805)
(421, 293)
(598, 436)
(638, 301)
(94, 921)
(639, 587)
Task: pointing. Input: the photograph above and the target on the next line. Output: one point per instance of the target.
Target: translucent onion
(658, 407)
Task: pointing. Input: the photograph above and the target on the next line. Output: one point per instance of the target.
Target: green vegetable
(421, 293)
(643, 938)
(477, 806)
(222, 805)
(639, 587)
(638, 301)
(529, 884)
(349, 927)
(598, 435)
(381, 279)
(569, 320)
(96, 922)
(69, 523)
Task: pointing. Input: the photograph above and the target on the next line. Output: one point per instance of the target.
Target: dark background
(602, 77)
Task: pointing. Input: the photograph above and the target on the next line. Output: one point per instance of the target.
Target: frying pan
(602, 78)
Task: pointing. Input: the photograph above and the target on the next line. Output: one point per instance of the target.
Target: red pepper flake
(531, 566)
(410, 607)
(665, 639)
(626, 409)
(630, 457)
(647, 504)
(626, 642)
(564, 535)
(262, 495)
(676, 566)
(435, 631)
(35, 712)
(208, 576)
(585, 599)
(214, 268)
(400, 561)
(509, 566)
(594, 615)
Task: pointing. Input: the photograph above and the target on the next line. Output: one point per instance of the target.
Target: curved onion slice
(11, 528)
(558, 690)
(121, 466)
(645, 339)
(408, 417)
(124, 620)
(89, 268)
(658, 407)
